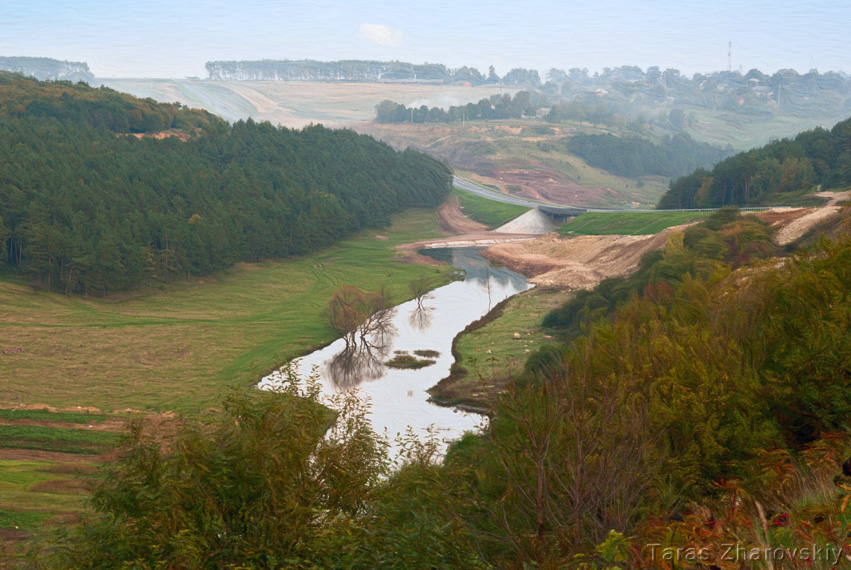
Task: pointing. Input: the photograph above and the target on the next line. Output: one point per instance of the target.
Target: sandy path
(793, 223)
(797, 227)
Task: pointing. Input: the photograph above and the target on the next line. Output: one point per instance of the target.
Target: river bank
(399, 397)
(186, 345)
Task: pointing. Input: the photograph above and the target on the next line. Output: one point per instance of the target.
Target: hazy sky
(174, 38)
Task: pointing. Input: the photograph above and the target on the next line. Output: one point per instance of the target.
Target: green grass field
(183, 347)
(46, 415)
(82, 441)
(488, 212)
(490, 354)
(744, 133)
(34, 492)
(627, 223)
(46, 460)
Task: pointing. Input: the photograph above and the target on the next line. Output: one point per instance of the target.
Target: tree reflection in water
(362, 359)
(421, 317)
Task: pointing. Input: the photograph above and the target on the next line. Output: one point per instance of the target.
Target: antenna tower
(730, 56)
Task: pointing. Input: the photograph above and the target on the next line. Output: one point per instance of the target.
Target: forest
(362, 71)
(815, 157)
(103, 192)
(633, 156)
(496, 107)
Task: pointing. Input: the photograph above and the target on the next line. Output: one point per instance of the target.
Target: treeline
(633, 156)
(363, 71)
(816, 157)
(496, 107)
(754, 93)
(709, 408)
(100, 108)
(47, 69)
(87, 208)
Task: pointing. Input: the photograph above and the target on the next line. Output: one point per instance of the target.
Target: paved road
(497, 196)
(468, 186)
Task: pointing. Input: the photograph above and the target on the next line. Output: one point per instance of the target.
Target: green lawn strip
(184, 346)
(56, 439)
(31, 493)
(489, 212)
(627, 223)
(23, 520)
(71, 417)
(491, 354)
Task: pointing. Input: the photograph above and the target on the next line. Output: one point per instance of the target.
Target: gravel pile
(532, 222)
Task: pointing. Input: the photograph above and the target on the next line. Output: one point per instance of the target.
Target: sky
(174, 38)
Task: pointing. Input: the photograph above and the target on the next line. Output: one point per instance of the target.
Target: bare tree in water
(365, 321)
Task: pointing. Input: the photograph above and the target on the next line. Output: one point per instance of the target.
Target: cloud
(379, 34)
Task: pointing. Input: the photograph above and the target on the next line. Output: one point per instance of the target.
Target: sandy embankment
(463, 232)
(576, 262)
(581, 262)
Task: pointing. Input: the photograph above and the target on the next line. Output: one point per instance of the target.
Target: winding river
(398, 397)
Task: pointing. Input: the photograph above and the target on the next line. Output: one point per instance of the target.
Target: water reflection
(477, 268)
(366, 349)
(421, 316)
(399, 397)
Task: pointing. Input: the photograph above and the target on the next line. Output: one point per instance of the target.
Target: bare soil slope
(576, 262)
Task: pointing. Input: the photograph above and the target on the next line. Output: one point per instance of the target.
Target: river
(398, 396)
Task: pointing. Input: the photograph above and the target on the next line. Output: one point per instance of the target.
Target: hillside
(779, 172)
(87, 207)
(531, 152)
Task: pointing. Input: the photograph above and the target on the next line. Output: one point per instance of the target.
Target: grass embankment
(183, 347)
(487, 354)
(488, 212)
(627, 223)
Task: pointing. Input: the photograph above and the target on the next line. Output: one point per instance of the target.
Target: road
(552, 207)
(468, 186)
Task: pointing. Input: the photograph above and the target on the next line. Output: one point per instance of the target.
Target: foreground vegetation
(708, 408)
(627, 223)
(181, 347)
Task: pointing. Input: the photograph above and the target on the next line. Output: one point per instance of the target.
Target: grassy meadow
(45, 457)
(34, 492)
(627, 223)
(183, 347)
(490, 354)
